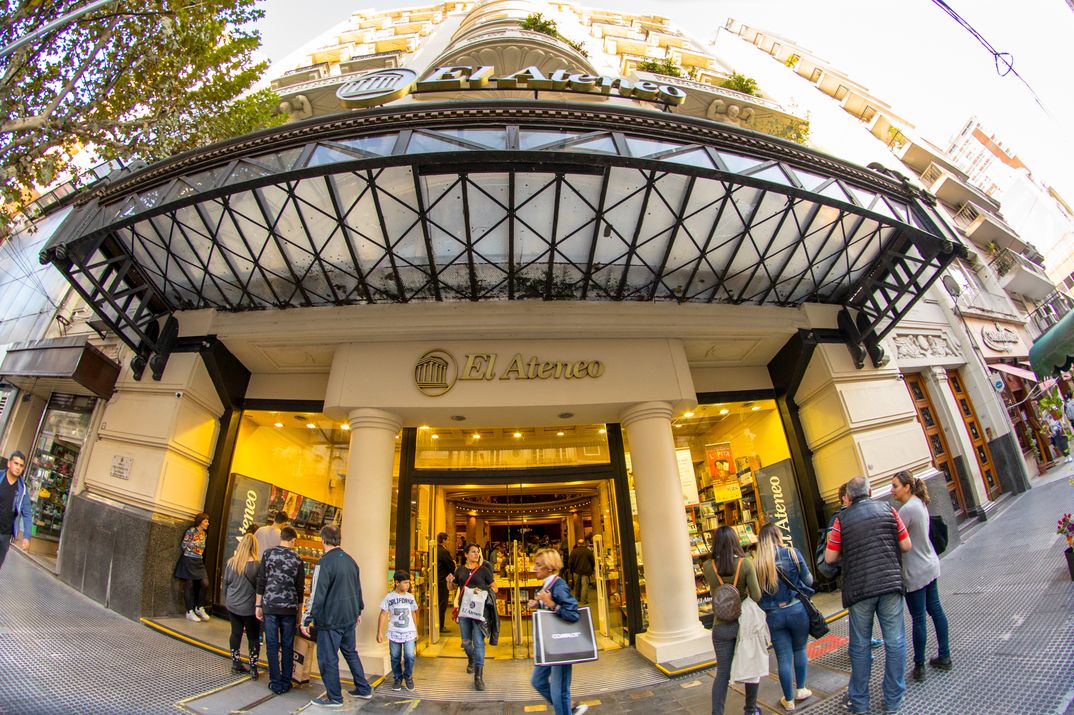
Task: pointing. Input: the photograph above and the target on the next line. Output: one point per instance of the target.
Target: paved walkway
(1006, 591)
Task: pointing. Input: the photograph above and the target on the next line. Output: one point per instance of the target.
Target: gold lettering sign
(383, 86)
(436, 372)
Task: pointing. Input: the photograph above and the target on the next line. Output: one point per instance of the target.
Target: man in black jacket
(335, 607)
(445, 567)
(582, 567)
(281, 578)
(869, 538)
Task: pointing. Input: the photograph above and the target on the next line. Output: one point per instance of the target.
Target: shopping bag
(472, 604)
(557, 642)
(305, 655)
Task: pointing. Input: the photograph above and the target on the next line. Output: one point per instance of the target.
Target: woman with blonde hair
(553, 682)
(788, 621)
(240, 592)
(920, 573)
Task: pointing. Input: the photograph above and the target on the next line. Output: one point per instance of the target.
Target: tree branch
(71, 83)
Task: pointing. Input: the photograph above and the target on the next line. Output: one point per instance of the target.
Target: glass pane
(965, 407)
(926, 417)
(915, 389)
(499, 448)
(973, 430)
(936, 444)
(956, 384)
(982, 455)
(52, 465)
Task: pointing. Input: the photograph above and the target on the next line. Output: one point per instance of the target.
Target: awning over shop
(63, 365)
(1053, 352)
(489, 200)
(1014, 370)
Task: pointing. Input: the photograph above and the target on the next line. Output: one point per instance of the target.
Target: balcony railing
(1050, 312)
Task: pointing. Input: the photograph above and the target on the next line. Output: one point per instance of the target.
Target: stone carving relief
(723, 111)
(296, 108)
(910, 347)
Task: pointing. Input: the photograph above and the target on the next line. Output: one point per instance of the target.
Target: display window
(295, 462)
(734, 467)
(58, 444)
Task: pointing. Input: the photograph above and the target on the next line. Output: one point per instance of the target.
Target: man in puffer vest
(869, 538)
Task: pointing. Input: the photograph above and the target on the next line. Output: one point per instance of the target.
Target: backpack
(825, 569)
(726, 601)
(938, 534)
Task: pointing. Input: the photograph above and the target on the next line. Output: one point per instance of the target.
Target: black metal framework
(498, 201)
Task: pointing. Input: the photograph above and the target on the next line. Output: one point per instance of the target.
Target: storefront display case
(53, 461)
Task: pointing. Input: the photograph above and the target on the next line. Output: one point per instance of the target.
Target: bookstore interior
(514, 490)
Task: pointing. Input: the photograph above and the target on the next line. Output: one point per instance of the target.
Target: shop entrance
(511, 512)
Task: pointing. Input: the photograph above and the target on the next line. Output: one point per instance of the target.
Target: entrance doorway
(511, 512)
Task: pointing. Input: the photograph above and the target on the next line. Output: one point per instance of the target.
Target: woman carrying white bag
(476, 585)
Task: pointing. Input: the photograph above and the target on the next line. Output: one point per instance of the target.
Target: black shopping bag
(557, 642)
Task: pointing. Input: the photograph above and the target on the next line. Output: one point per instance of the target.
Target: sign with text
(721, 466)
(686, 477)
(782, 504)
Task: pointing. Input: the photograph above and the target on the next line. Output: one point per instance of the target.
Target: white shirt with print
(400, 608)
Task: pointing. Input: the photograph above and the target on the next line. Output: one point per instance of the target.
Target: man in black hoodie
(335, 607)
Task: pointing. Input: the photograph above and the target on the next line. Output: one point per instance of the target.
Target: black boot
(255, 652)
(479, 679)
(236, 662)
(469, 664)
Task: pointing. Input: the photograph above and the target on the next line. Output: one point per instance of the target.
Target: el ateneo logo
(437, 371)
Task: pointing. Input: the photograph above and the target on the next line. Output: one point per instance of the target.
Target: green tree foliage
(665, 66)
(537, 22)
(137, 78)
(740, 83)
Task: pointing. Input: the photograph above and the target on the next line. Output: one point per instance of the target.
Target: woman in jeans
(240, 592)
(475, 574)
(788, 621)
(920, 571)
(727, 554)
(191, 568)
(553, 682)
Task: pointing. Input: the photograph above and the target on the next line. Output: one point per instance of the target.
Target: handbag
(818, 627)
(455, 610)
(557, 642)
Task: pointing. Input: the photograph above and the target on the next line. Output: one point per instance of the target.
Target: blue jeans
(473, 639)
(888, 609)
(280, 649)
(329, 645)
(919, 602)
(402, 655)
(553, 682)
(789, 628)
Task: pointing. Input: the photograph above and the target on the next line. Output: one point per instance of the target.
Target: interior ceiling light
(517, 435)
(755, 408)
(477, 435)
(724, 411)
(687, 414)
(279, 424)
(423, 427)
(310, 425)
(602, 431)
(345, 426)
(559, 434)
(435, 436)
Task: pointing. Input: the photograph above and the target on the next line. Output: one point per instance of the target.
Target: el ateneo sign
(437, 371)
(384, 86)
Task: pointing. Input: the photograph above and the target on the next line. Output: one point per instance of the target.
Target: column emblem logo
(377, 88)
(435, 372)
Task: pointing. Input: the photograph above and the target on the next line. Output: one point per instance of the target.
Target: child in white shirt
(398, 614)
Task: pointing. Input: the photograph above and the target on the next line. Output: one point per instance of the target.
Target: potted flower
(1066, 528)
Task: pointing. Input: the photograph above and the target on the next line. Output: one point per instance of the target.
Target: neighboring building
(561, 297)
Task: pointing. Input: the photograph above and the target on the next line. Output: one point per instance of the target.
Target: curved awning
(498, 200)
(1053, 352)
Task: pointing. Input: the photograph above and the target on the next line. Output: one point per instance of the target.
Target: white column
(674, 629)
(367, 504)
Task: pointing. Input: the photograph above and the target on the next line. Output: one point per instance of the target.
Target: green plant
(898, 139)
(1051, 404)
(740, 83)
(537, 22)
(792, 60)
(1065, 527)
(794, 130)
(665, 66)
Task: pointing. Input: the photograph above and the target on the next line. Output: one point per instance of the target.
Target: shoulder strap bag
(818, 628)
(462, 591)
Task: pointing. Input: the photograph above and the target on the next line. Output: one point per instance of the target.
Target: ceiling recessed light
(435, 436)
(279, 424)
(458, 418)
(724, 411)
(397, 436)
(345, 426)
(678, 425)
(602, 431)
(566, 415)
(687, 414)
(755, 408)
(559, 434)
(477, 435)
(517, 435)
(310, 425)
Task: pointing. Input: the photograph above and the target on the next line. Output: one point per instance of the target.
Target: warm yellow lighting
(724, 411)
(677, 425)
(345, 426)
(755, 408)
(602, 431)
(477, 435)
(687, 414)
(397, 436)
(517, 435)
(279, 424)
(559, 434)
(435, 436)
(424, 427)
(310, 425)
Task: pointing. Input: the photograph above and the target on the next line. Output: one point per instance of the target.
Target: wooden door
(941, 454)
(976, 434)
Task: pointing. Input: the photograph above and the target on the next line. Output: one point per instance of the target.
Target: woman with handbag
(788, 620)
(553, 682)
(729, 565)
(190, 568)
(240, 593)
(920, 573)
(476, 585)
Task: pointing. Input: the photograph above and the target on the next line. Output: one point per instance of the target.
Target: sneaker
(200, 613)
(888, 710)
(579, 709)
(325, 702)
(409, 683)
(919, 672)
(849, 706)
(788, 706)
(358, 694)
(941, 663)
(876, 642)
(803, 694)
(397, 684)
(191, 616)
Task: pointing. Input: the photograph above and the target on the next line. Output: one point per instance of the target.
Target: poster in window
(686, 477)
(721, 466)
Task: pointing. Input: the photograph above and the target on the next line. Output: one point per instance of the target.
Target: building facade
(525, 285)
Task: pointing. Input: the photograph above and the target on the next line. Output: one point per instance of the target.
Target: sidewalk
(1006, 592)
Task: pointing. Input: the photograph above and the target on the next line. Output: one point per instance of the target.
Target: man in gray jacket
(335, 607)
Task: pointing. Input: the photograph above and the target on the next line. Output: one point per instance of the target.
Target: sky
(910, 54)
